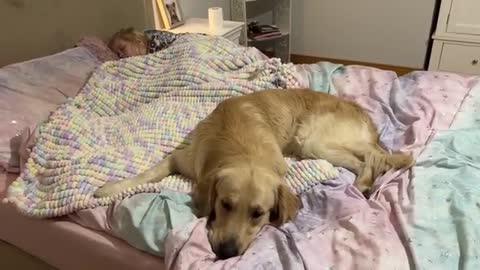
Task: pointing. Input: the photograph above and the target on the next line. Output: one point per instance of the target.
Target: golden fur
(236, 159)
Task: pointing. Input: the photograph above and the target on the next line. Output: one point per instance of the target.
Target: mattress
(67, 245)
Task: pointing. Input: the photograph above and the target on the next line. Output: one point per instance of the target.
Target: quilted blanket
(133, 112)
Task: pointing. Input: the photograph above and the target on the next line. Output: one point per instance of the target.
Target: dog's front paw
(108, 189)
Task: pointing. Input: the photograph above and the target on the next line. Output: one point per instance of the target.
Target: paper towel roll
(215, 20)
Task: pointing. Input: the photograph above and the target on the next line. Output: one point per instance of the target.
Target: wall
(388, 32)
(33, 28)
(49, 26)
(199, 8)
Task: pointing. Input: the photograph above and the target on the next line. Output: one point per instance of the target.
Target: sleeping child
(128, 42)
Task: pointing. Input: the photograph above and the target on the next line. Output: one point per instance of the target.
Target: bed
(422, 218)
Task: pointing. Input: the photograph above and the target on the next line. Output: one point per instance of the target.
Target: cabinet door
(464, 17)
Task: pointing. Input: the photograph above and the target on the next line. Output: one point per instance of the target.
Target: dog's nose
(227, 249)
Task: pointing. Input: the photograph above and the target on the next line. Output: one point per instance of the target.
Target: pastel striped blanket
(133, 112)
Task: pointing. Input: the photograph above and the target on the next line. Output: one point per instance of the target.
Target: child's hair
(129, 34)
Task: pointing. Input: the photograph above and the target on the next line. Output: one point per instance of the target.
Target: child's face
(124, 48)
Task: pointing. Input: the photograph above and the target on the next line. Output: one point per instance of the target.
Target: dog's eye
(227, 205)
(256, 214)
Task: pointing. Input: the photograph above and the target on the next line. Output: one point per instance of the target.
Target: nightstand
(231, 30)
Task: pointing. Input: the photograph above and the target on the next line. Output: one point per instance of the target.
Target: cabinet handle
(474, 62)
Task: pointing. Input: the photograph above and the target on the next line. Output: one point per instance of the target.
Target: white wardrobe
(456, 46)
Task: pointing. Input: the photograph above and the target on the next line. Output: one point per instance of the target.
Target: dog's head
(242, 200)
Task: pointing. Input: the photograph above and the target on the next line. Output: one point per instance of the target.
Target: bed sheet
(67, 245)
(337, 228)
(443, 227)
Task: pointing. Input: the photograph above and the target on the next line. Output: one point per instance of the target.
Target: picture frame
(171, 13)
(153, 16)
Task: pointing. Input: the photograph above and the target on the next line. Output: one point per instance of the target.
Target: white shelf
(283, 35)
(278, 11)
(200, 25)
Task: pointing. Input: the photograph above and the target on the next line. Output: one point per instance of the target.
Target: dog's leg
(183, 161)
(177, 161)
(337, 155)
(316, 138)
(152, 175)
(342, 157)
(377, 161)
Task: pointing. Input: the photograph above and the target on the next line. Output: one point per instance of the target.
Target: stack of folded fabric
(262, 32)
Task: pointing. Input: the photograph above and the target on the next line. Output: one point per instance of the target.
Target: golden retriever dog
(237, 160)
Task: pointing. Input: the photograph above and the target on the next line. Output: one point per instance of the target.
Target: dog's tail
(377, 162)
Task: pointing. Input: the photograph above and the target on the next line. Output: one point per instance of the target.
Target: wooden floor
(303, 59)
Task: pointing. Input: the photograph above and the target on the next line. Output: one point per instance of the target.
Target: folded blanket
(133, 112)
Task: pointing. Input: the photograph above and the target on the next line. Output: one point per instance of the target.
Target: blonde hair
(130, 35)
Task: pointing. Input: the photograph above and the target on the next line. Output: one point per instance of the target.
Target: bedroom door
(464, 17)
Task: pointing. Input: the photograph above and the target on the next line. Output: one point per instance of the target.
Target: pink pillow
(98, 48)
(29, 91)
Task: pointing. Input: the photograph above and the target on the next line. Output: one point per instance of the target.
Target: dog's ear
(212, 198)
(204, 194)
(286, 205)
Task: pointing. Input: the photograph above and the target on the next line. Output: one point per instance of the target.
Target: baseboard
(304, 59)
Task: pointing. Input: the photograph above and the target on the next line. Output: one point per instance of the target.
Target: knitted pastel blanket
(133, 112)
